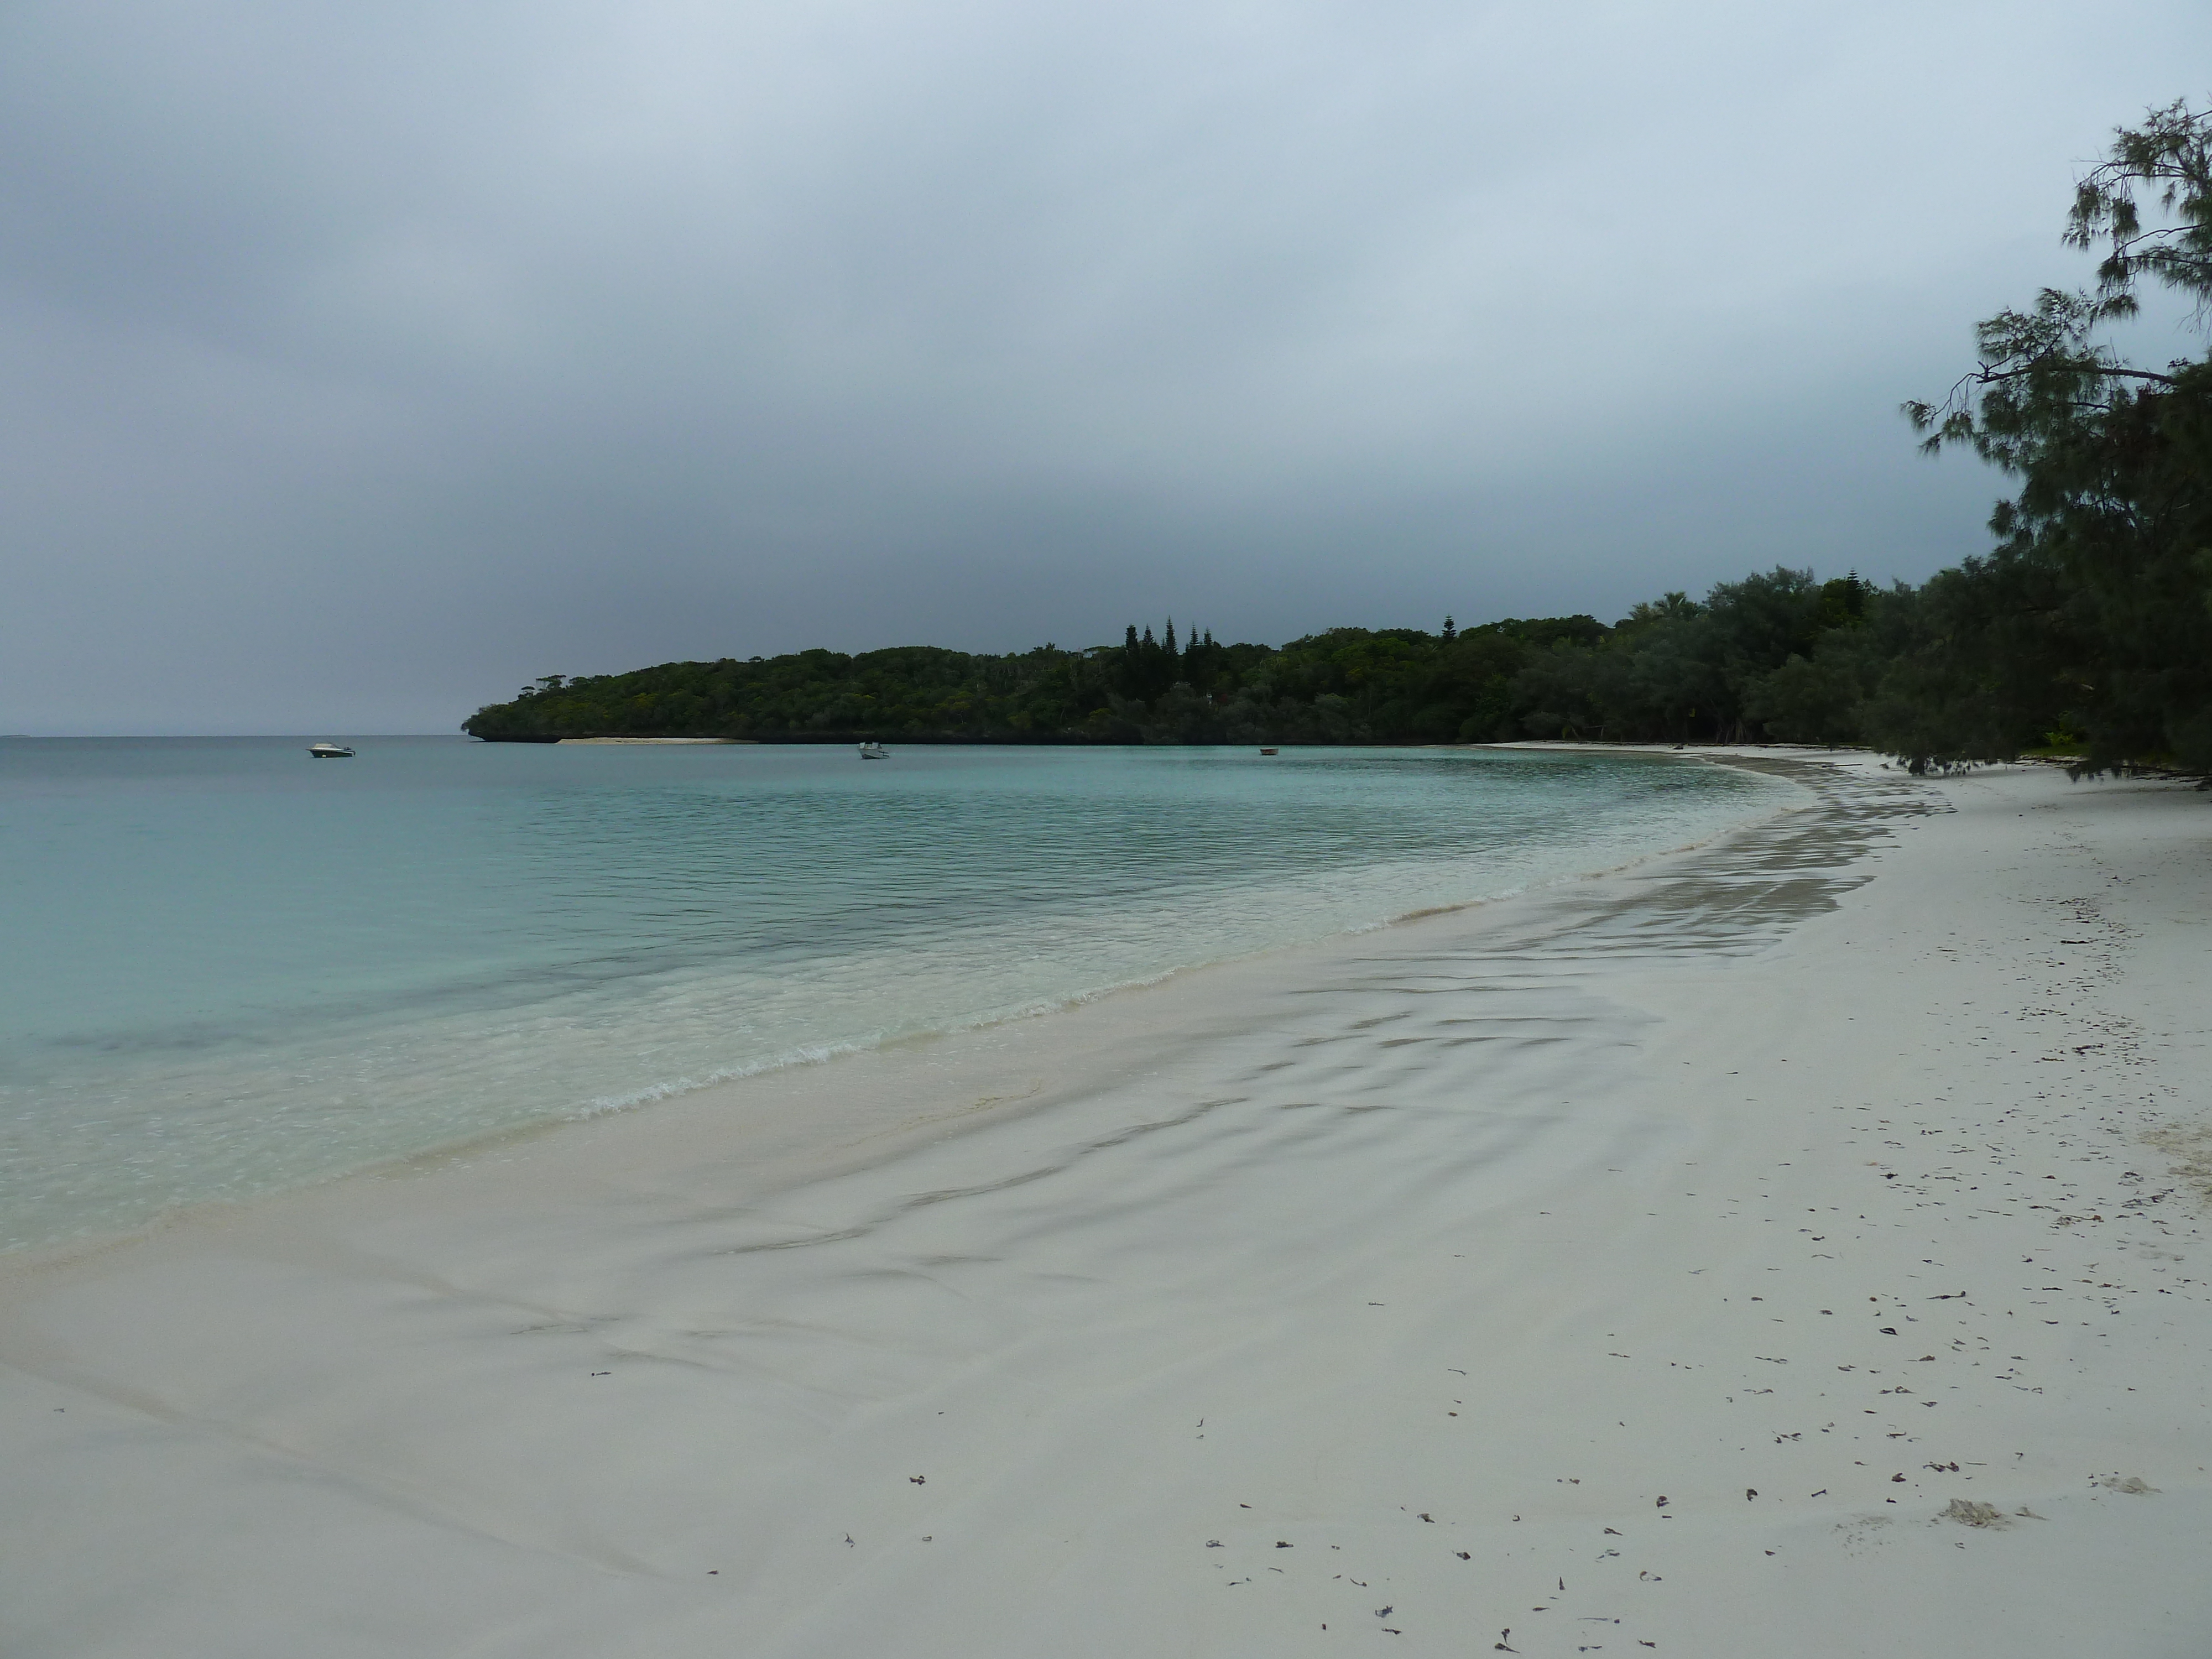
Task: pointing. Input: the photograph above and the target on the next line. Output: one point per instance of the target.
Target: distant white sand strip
(1794, 1247)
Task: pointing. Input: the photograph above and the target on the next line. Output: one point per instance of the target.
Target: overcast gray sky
(360, 361)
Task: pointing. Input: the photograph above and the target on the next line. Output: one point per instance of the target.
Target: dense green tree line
(1675, 670)
(2086, 630)
(2089, 625)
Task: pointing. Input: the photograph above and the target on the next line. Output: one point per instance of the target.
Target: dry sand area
(1793, 1246)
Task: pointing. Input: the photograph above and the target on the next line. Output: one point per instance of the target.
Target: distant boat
(1271, 751)
(874, 751)
(329, 751)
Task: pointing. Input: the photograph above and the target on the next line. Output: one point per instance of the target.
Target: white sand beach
(1654, 1263)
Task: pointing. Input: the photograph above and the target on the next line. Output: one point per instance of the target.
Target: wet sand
(1660, 1263)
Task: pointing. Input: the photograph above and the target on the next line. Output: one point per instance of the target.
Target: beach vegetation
(1675, 670)
(2092, 613)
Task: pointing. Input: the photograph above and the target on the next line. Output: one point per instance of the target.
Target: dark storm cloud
(361, 361)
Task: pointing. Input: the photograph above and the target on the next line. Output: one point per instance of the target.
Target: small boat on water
(1271, 751)
(874, 751)
(329, 751)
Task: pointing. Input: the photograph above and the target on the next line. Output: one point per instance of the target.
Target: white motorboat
(874, 751)
(329, 751)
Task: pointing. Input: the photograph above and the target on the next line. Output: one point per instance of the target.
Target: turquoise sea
(230, 968)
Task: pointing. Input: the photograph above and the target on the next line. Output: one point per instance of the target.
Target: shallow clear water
(229, 967)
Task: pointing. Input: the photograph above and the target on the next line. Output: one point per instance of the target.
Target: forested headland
(1676, 669)
(2084, 630)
